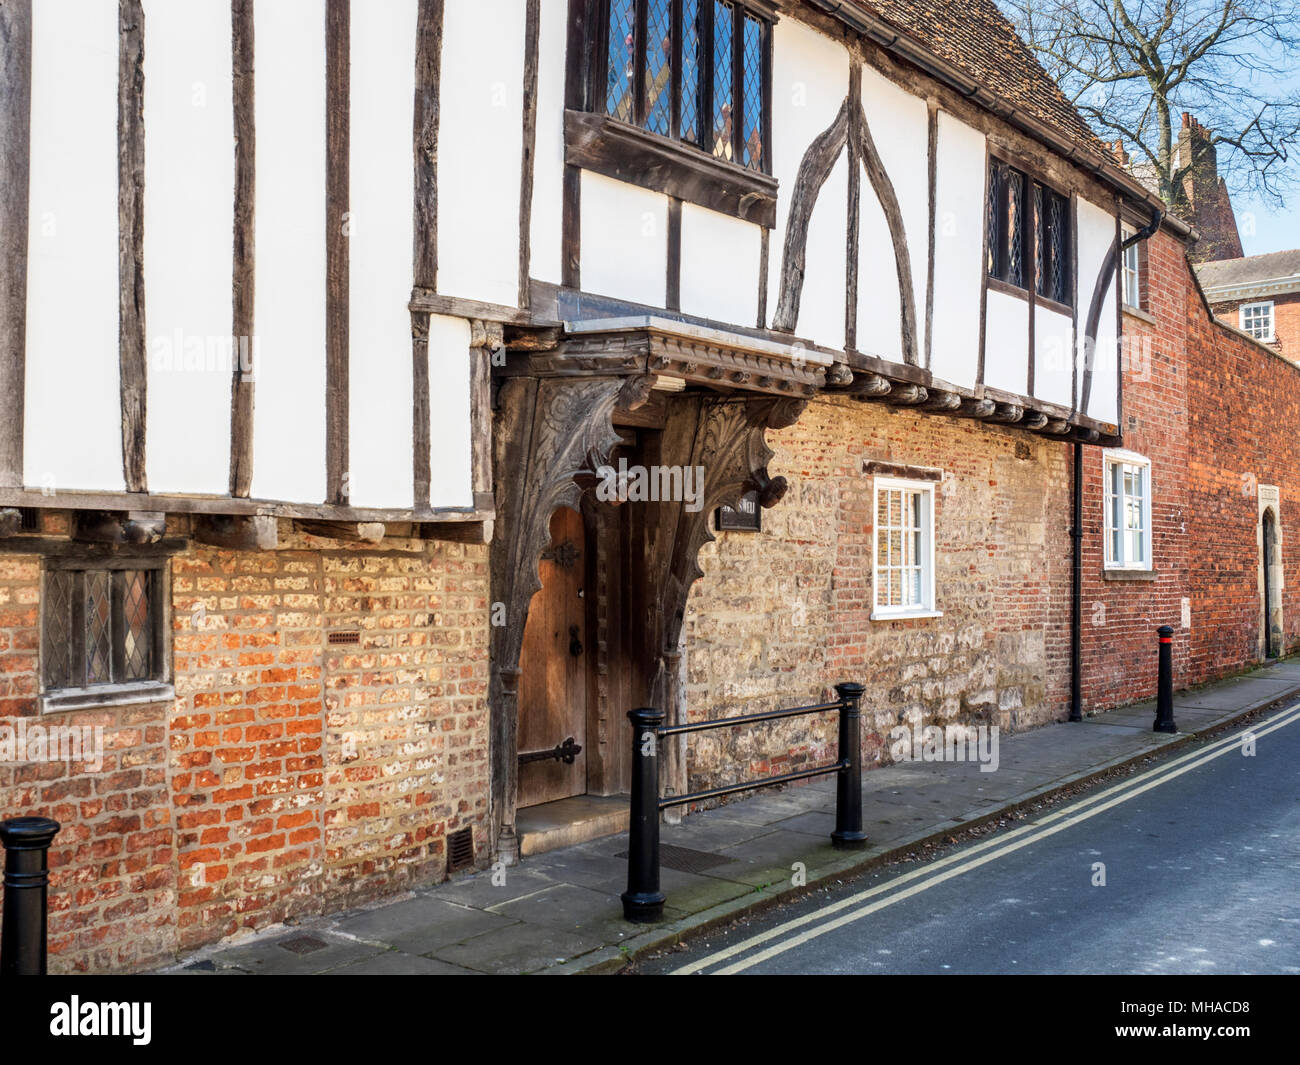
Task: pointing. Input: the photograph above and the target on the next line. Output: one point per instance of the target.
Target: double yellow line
(799, 930)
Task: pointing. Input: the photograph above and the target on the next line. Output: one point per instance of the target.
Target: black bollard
(1165, 683)
(643, 902)
(848, 834)
(26, 841)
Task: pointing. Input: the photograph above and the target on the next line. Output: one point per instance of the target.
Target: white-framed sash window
(1257, 320)
(903, 549)
(1127, 496)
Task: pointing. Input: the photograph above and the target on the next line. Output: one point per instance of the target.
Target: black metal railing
(643, 902)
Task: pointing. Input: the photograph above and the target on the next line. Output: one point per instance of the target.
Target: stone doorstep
(613, 959)
(564, 822)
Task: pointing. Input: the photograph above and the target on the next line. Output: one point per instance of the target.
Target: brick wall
(291, 775)
(781, 616)
(1286, 322)
(1243, 409)
(1120, 617)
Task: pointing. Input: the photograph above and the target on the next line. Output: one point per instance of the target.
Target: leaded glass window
(101, 626)
(694, 70)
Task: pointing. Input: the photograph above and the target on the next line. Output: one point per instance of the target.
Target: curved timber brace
(725, 437)
(850, 130)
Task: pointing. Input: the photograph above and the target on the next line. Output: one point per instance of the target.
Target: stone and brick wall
(780, 616)
(291, 775)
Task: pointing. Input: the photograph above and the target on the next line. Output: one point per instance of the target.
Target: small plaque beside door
(746, 516)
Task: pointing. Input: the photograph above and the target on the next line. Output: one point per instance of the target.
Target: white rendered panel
(899, 124)
(73, 425)
(958, 250)
(720, 260)
(624, 240)
(1006, 343)
(189, 193)
(450, 481)
(289, 216)
(810, 80)
(1053, 364)
(382, 192)
(480, 134)
(1096, 233)
(548, 156)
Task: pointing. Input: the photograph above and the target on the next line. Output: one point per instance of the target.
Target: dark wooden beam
(932, 141)
(428, 90)
(421, 427)
(673, 284)
(977, 408)
(133, 369)
(907, 395)
(243, 326)
(532, 23)
(853, 230)
(942, 401)
(337, 180)
(465, 532)
(884, 188)
(367, 532)
(1034, 419)
(15, 173)
(1007, 413)
(814, 168)
(109, 527)
(763, 256)
(253, 532)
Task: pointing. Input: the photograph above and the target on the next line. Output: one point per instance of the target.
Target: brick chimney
(1207, 205)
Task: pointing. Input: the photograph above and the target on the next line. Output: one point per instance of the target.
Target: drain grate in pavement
(685, 859)
(303, 944)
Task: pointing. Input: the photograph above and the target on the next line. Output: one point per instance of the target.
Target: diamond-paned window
(1006, 224)
(619, 87)
(690, 108)
(659, 67)
(751, 130)
(101, 625)
(693, 70)
(724, 52)
(1051, 244)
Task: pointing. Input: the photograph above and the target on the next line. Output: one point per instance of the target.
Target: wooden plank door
(553, 673)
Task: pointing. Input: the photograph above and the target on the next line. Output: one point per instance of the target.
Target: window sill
(909, 615)
(1049, 304)
(1139, 314)
(627, 153)
(1117, 573)
(106, 695)
(996, 284)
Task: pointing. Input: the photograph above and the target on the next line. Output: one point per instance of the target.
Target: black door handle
(575, 644)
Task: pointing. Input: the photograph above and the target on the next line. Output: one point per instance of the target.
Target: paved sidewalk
(560, 912)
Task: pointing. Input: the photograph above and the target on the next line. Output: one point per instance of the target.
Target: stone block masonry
(782, 615)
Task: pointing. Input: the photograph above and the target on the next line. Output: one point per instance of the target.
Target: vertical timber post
(26, 841)
(643, 902)
(1165, 683)
(848, 834)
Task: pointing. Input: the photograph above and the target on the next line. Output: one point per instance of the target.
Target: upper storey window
(1029, 234)
(694, 70)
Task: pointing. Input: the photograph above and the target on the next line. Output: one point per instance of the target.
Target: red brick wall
(1120, 617)
(290, 776)
(1286, 322)
(1243, 410)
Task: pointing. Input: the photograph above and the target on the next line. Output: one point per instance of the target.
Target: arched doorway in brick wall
(1270, 564)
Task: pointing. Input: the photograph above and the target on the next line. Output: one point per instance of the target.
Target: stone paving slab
(559, 912)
